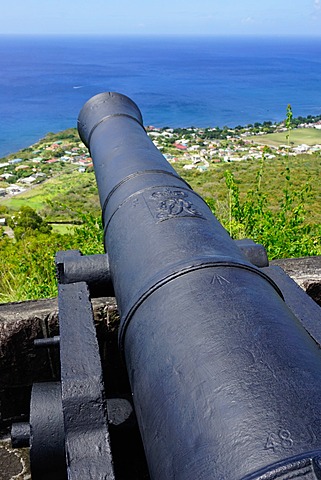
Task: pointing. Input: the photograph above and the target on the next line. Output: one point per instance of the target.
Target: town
(195, 148)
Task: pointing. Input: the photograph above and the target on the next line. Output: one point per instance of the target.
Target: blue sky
(183, 17)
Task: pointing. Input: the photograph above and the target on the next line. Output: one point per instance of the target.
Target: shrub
(283, 231)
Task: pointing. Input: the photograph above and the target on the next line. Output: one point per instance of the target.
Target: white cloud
(248, 20)
(316, 13)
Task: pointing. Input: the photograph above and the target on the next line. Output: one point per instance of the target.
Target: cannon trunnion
(224, 363)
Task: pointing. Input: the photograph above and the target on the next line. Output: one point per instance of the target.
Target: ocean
(176, 81)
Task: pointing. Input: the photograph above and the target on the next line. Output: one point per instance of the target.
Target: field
(60, 197)
(304, 169)
(275, 202)
(309, 136)
(273, 199)
(63, 228)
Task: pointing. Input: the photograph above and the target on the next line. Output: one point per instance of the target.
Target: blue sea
(176, 81)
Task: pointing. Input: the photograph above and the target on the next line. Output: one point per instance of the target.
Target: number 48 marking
(281, 439)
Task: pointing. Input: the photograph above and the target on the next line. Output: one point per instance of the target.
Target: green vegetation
(269, 194)
(284, 231)
(27, 262)
(309, 136)
(305, 169)
(26, 222)
(27, 266)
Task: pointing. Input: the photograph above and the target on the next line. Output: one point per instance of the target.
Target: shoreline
(195, 148)
(255, 130)
(202, 81)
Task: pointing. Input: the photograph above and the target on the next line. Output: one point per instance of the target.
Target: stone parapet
(306, 272)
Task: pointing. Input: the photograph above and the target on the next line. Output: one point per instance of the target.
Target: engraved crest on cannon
(172, 203)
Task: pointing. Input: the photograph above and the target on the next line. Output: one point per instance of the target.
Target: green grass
(27, 263)
(309, 136)
(19, 201)
(38, 196)
(76, 191)
(59, 197)
(63, 228)
(304, 169)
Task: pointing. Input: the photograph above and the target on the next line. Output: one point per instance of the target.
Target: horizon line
(163, 35)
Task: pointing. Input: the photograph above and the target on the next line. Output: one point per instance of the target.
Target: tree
(28, 221)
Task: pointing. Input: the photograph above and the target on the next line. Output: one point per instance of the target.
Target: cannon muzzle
(225, 380)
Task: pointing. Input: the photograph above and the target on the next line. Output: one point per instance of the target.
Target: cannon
(222, 351)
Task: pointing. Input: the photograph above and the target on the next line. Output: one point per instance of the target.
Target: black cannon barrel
(225, 380)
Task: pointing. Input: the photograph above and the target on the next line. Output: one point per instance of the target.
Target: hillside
(49, 198)
(67, 182)
(299, 136)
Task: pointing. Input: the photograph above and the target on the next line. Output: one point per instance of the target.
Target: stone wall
(306, 272)
(21, 364)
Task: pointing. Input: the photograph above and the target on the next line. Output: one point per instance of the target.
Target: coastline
(175, 81)
(255, 129)
(194, 148)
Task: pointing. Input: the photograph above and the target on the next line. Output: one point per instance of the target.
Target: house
(84, 161)
(52, 147)
(154, 134)
(6, 175)
(188, 167)
(180, 147)
(15, 160)
(301, 148)
(22, 167)
(13, 189)
(28, 180)
(52, 160)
